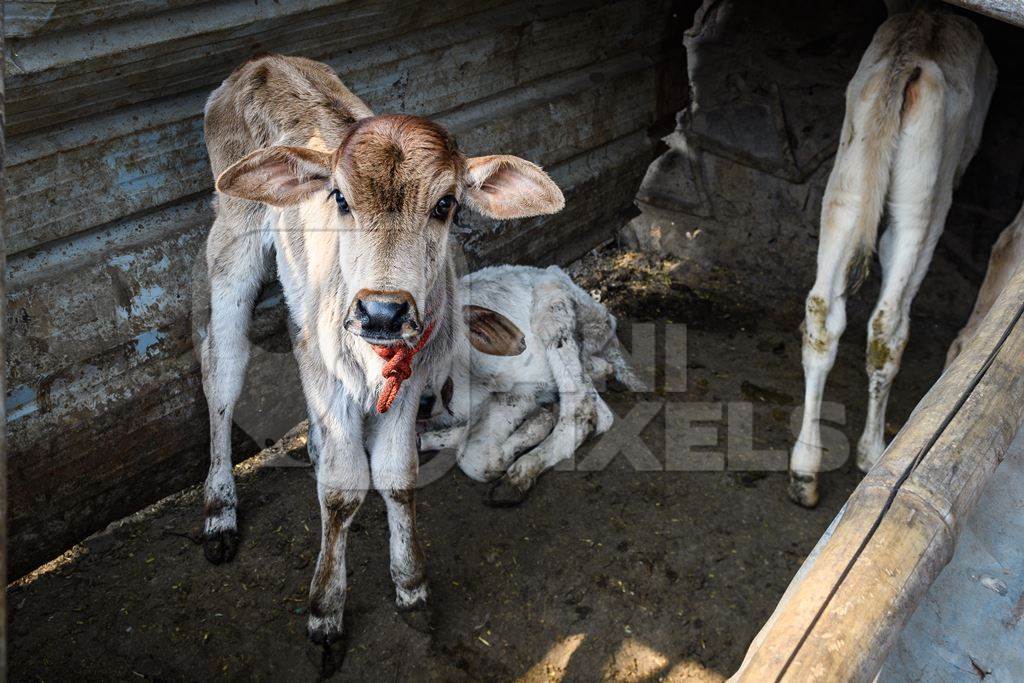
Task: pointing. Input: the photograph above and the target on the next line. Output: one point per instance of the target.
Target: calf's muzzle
(384, 316)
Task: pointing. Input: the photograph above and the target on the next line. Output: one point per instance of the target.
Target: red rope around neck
(398, 367)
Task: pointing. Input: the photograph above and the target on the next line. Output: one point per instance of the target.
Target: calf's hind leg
(235, 270)
(839, 251)
(919, 198)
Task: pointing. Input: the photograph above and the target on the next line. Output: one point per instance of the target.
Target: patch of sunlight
(551, 667)
(634, 662)
(692, 672)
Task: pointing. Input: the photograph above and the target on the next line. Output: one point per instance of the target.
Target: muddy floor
(631, 571)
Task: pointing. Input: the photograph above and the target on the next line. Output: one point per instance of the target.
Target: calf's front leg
(394, 464)
(235, 268)
(443, 437)
(342, 479)
(482, 455)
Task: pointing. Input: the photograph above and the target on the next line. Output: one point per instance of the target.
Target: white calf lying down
(914, 114)
(1007, 255)
(520, 396)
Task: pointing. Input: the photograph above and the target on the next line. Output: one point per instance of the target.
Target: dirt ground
(609, 573)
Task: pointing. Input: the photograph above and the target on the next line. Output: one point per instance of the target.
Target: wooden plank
(142, 157)
(27, 18)
(3, 392)
(1011, 12)
(64, 77)
(838, 621)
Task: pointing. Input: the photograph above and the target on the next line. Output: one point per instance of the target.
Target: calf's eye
(340, 198)
(443, 207)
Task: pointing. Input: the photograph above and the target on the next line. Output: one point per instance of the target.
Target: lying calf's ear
(503, 186)
(279, 176)
(492, 333)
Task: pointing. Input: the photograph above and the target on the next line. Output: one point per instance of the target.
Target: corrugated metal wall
(109, 195)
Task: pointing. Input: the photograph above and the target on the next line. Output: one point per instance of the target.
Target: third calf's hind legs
(905, 259)
(918, 201)
(824, 323)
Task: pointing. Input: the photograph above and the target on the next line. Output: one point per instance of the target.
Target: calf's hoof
(867, 456)
(333, 649)
(332, 656)
(504, 494)
(419, 616)
(220, 546)
(803, 489)
(331, 638)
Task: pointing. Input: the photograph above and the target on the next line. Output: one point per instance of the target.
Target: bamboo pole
(845, 610)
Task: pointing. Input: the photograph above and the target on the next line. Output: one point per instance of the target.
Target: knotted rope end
(397, 368)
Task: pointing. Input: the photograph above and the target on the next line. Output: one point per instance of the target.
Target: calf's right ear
(278, 176)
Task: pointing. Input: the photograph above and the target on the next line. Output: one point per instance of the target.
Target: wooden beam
(848, 604)
(1011, 12)
(3, 391)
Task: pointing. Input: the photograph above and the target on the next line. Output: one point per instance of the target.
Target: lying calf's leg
(530, 433)
(583, 418)
(343, 478)
(234, 271)
(481, 455)
(581, 411)
(442, 438)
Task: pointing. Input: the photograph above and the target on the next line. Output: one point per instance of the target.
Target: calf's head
(389, 193)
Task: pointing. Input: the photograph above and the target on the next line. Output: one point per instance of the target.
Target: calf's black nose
(381, 318)
(383, 315)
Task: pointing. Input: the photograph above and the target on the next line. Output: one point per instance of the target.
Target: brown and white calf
(1007, 255)
(914, 115)
(356, 210)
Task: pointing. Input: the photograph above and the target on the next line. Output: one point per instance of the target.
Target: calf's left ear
(492, 333)
(503, 187)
